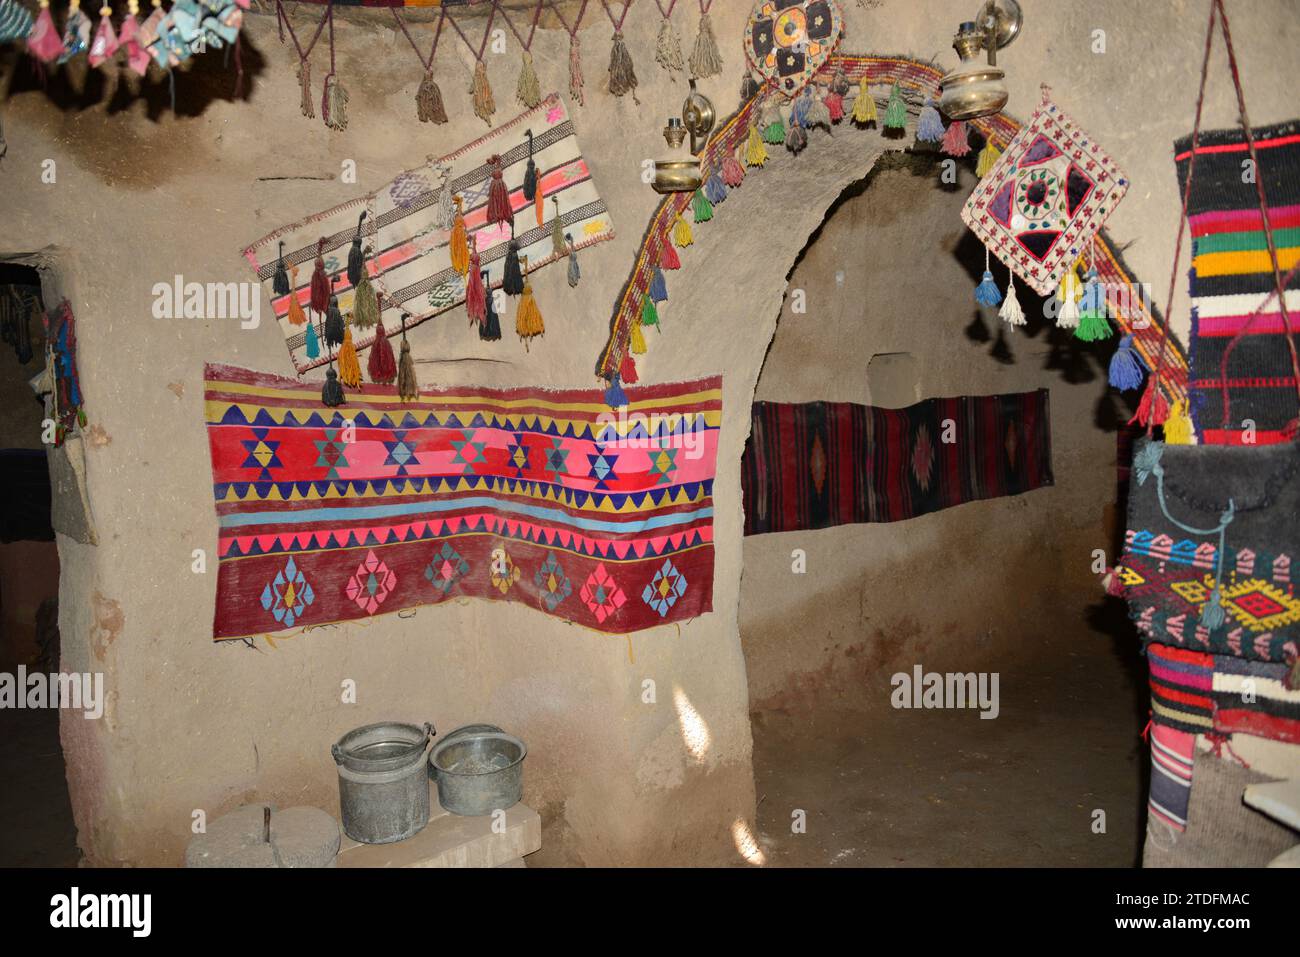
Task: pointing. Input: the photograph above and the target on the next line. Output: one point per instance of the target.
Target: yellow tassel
(988, 156)
(296, 316)
(349, 367)
(755, 151)
(638, 340)
(1178, 427)
(459, 241)
(864, 107)
(528, 320)
(1070, 286)
(682, 232)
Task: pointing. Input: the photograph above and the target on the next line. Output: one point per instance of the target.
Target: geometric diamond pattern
(400, 452)
(261, 454)
(332, 453)
(287, 595)
(553, 583)
(371, 583)
(446, 569)
(1261, 605)
(601, 593)
(602, 466)
(665, 588)
(662, 464)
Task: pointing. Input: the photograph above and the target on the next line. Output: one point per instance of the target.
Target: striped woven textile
(1252, 697)
(1172, 754)
(411, 267)
(1232, 275)
(544, 498)
(1181, 682)
(819, 464)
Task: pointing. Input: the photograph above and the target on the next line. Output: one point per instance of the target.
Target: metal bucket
(383, 789)
(479, 769)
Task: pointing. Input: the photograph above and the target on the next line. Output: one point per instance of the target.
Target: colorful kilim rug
(1171, 775)
(1252, 697)
(545, 498)
(1045, 198)
(411, 266)
(819, 464)
(1232, 276)
(1181, 682)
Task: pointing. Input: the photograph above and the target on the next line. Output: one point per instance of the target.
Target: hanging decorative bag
(1212, 530)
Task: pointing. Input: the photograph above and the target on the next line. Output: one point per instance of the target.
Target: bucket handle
(337, 753)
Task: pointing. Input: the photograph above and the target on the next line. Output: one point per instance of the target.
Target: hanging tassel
(817, 113)
(733, 173)
(668, 49)
(715, 190)
(896, 109)
(615, 397)
(1212, 614)
(446, 215)
(864, 107)
(559, 246)
(475, 292)
(795, 139)
(539, 204)
(296, 316)
(484, 104)
(649, 314)
(356, 261)
(1011, 312)
(955, 141)
(1154, 408)
(349, 367)
(365, 304)
(838, 89)
(682, 232)
(334, 327)
(104, 45)
(636, 342)
(706, 61)
(512, 282)
(528, 318)
(576, 80)
(334, 104)
(498, 204)
(530, 172)
(458, 244)
(320, 284)
(313, 341)
(668, 258)
(627, 371)
(528, 90)
(308, 105)
(622, 75)
(428, 101)
(1093, 311)
(381, 365)
(490, 330)
(574, 273)
(1126, 366)
(755, 151)
(1178, 426)
(988, 156)
(43, 40)
(331, 393)
(929, 125)
(658, 287)
(280, 283)
(1068, 295)
(701, 209)
(407, 388)
(773, 127)
(987, 292)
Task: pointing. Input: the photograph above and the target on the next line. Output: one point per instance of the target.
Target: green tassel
(896, 111)
(649, 314)
(701, 207)
(774, 132)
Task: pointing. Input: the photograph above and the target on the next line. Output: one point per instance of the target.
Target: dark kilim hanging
(819, 464)
(1232, 275)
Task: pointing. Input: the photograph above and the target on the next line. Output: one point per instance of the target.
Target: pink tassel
(835, 106)
(955, 141)
(104, 45)
(137, 58)
(498, 205)
(627, 371)
(45, 43)
(733, 173)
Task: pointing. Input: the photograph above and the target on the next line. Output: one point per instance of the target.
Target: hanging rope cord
(1219, 15)
(282, 19)
(487, 31)
(532, 30)
(577, 21)
(666, 14)
(618, 22)
(427, 63)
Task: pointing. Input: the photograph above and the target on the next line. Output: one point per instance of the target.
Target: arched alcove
(880, 311)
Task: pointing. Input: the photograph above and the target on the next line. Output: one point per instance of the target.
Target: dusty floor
(918, 788)
(36, 827)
